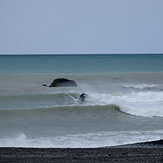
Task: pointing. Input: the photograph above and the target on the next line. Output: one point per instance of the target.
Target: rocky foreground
(140, 152)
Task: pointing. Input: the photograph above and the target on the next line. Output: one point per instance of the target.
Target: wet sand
(140, 152)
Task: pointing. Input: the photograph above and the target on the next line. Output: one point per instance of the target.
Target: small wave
(87, 140)
(144, 87)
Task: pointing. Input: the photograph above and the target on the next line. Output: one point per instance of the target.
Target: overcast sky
(81, 26)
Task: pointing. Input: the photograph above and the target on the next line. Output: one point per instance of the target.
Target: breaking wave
(152, 87)
(145, 104)
(89, 140)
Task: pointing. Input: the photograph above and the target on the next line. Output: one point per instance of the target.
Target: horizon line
(81, 53)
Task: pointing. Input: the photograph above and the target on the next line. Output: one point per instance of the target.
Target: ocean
(124, 102)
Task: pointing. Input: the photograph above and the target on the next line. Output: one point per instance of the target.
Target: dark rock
(63, 82)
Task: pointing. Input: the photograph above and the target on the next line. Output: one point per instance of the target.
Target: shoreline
(139, 152)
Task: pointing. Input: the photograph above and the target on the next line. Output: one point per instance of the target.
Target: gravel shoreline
(140, 152)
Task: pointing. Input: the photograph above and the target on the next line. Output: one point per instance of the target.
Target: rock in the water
(63, 82)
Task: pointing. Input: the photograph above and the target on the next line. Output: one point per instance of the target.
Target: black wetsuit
(82, 97)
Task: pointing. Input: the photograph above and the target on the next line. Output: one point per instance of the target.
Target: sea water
(124, 102)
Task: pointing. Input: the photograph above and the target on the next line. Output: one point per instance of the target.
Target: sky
(81, 26)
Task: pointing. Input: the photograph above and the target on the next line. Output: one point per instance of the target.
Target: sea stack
(63, 82)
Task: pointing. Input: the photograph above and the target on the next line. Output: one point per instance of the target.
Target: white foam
(89, 140)
(146, 104)
(142, 86)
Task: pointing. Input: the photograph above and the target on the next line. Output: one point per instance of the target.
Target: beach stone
(63, 82)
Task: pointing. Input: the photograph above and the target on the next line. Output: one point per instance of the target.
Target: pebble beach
(139, 152)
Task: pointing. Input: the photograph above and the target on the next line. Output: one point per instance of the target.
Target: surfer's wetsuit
(82, 97)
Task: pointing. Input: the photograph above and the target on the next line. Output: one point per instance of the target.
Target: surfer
(82, 97)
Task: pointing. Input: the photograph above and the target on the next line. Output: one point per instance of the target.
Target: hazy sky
(81, 26)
